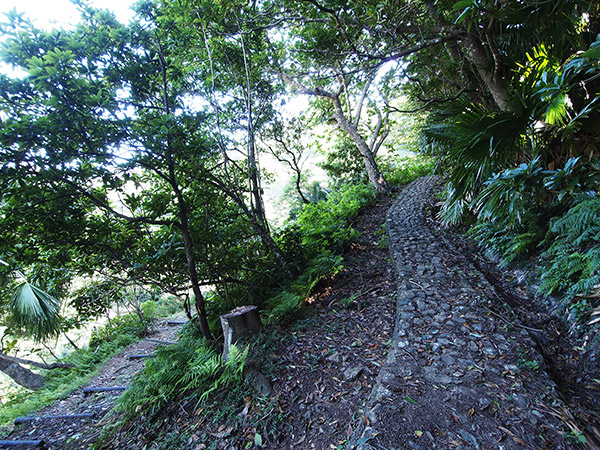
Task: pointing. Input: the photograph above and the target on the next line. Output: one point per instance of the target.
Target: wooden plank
(25, 419)
(27, 444)
(177, 322)
(142, 355)
(92, 390)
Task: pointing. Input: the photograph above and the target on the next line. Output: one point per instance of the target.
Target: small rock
(335, 358)
(433, 376)
(484, 403)
(469, 438)
(450, 360)
(352, 373)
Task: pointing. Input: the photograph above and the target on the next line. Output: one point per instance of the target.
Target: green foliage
(343, 162)
(35, 311)
(95, 298)
(285, 304)
(572, 262)
(401, 171)
(576, 437)
(325, 226)
(382, 233)
(188, 369)
(321, 230)
(509, 194)
(162, 307)
(123, 329)
(348, 302)
(474, 144)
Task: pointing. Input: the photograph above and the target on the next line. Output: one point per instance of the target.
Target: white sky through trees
(49, 14)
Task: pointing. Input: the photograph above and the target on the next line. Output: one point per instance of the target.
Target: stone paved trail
(456, 377)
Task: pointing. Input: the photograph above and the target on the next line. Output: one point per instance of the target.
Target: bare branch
(428, 102)
(29, 362)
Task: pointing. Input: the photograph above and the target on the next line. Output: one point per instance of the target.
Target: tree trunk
(375, 176)
(256, 199)
(198, 297)
(263, 233)
(22, 376)
(485, 69)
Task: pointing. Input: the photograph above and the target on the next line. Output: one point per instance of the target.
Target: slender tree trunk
(198, 297)
(256, 199)
(182, 212)
(375, 176)
(262, 232)
(20, 375)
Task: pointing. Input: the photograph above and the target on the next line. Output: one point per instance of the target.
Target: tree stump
(238, 323)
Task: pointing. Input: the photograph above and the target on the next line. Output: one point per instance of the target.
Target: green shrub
(191, 368)
(325, 226)
(162, 307)
(288, 302)
(404, 170)
(572, 262)
(551, 212)
(125, 329)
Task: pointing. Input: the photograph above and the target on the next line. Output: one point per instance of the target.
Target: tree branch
(29, 362)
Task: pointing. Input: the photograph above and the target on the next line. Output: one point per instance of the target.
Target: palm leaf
(36, 311)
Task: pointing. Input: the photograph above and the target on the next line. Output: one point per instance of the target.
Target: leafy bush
(344, 163)
(288, 302)
(162, 307)
(320, 231)
(124, 329)
(572, 262)
(191, 368)
(404, 170)
(552, 212)
(325, 225)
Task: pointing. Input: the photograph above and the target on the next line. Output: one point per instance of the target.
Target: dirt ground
(322, 365)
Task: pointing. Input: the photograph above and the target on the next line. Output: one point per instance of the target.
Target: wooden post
(238, 323)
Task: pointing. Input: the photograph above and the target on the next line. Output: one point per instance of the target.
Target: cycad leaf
(36, 311)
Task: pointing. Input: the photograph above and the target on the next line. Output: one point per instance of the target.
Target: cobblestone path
(456, 377)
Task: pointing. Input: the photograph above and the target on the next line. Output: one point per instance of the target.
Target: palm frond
(35, 311)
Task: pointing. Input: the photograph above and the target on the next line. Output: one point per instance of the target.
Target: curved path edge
(455, 376)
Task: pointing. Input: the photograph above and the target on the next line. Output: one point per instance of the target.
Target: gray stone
(448, 359)
(469, 438)
(432, 375)
(335, 358)
(352, 373)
